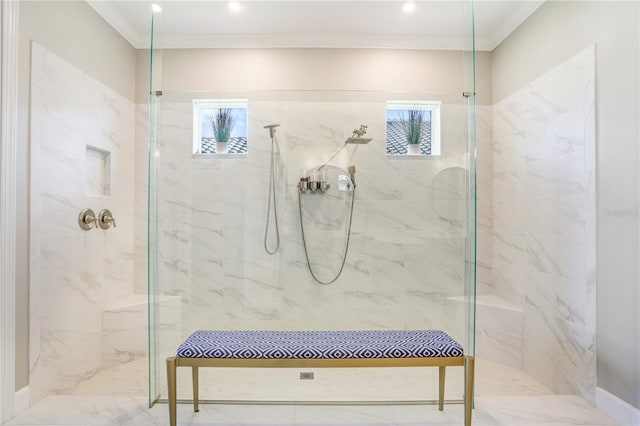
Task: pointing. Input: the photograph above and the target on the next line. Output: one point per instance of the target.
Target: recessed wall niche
(98, 171)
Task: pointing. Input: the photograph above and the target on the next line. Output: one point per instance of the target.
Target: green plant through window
(222, 122)
(412, 126)
(220, 126)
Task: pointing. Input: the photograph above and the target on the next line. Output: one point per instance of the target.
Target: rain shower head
(357, 140)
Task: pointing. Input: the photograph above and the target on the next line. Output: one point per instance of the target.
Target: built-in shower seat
(320, 349)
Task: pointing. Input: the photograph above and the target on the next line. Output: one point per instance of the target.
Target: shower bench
(320, 349)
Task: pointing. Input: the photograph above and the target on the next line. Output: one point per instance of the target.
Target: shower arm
(357, 133)
(333, 156)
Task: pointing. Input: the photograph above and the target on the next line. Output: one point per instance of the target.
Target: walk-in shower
(243, 239)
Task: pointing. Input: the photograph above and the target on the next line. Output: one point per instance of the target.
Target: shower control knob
(105, 219)
(87, 219)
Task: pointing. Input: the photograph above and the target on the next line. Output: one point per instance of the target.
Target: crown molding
(359, 41)
(504, 29)
(120, 23)
(140, 38)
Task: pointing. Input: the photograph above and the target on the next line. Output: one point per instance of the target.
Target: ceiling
(308, 23)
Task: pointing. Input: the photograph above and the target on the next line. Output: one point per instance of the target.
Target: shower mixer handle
(105, 219)
(87, 219)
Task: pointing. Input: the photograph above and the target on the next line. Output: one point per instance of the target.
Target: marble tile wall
(543, 210)
(484, 200)
(141, 198)
(75, 274)
(406, 253)
(124, 328)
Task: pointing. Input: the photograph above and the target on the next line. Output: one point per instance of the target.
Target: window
(413, 128)
(219, 126)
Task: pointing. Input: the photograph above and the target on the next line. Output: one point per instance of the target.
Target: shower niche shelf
(98, 171)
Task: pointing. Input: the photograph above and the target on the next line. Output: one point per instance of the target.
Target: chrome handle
(87, 219)
(105, 219)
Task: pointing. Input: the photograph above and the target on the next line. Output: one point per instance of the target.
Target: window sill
(212, 156)
(394, 156)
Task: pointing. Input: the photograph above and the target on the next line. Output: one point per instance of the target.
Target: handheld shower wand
(272, 192)
(272, 129)
(352, 174)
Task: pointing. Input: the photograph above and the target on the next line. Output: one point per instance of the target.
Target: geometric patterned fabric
(319, 344)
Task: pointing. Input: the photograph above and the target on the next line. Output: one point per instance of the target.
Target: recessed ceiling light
(235, 6)
(156, 7)
(408, 6)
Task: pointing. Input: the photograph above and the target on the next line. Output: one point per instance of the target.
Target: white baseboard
(619, 410)
(21, 401)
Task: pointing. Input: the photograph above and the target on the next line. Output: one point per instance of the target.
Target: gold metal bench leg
(171, 383)
(194, 376)
(469, 371)
(441, 369)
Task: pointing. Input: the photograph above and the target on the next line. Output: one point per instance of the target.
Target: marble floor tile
(505, 397)
(536, 410)
(215, 414)
(89, 410)
(494, 379)
(344, 415)
(130, 378)
(545, 410)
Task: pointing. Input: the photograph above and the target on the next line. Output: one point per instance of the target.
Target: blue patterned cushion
(319, 344)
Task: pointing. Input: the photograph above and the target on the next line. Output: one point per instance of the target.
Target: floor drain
(306, 376)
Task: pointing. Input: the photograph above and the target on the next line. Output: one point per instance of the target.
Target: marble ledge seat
(499, 328)
(124, 328)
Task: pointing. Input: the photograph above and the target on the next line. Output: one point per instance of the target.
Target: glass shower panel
(405, 266)
(471, 239)
(411, 257)
(156, 362)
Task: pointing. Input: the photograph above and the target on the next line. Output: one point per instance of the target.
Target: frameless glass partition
(471, 184)
(309, 210)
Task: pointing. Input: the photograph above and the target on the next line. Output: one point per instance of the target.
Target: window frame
(434, 107)
(199, 106)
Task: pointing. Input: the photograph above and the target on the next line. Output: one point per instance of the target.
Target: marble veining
(544, 227)
(69, 267)
(504, 396)
(407, 244)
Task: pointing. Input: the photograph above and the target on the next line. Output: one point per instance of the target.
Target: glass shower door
(411, 261)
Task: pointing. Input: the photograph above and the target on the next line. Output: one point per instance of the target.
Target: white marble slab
(75, 273)
(544, 228)
(213, 213)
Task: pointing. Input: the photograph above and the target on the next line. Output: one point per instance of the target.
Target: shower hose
(346, 248)
(272, 200)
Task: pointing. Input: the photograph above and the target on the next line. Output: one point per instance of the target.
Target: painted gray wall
(437, 71)
(75, 32)
(555, 32)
